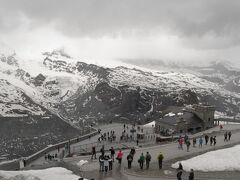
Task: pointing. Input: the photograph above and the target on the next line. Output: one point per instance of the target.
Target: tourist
(221, 127)
(119, 156)
(206, 139)
(101, 163)
(102, 150)
(132, 151)
(194, 142)
(225, 136)
(179, 171)
(214, 140)
(191, 175)
(112, 152)
(160, 160)
(106, 163)
(185, 138)
(211, 140)
(45, 155)
(229, 135)
(129, 159)
(200, 142)
(110, 161)
(148, 159)
(188, 145)
(141, 161)
(180, 143)
(180, 167)
(179, 175)
(94, 154)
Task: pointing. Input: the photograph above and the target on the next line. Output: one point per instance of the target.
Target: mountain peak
(58, 54)
(9, 59)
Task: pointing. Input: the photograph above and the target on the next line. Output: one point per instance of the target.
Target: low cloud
(195, 29)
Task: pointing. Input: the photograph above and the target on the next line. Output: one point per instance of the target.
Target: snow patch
(82, 162)
(171, 114)
(220, 160)
(56, 173)
(150, 124)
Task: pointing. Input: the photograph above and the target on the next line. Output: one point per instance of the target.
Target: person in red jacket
(119, 156)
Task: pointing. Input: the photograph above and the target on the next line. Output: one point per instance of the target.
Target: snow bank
(220, 160)
(170, 114)
(56, 173)
(81, 162)
(150, 124)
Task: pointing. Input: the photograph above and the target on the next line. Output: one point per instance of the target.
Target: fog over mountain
(104, 32)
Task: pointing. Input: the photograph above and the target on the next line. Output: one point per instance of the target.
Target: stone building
(191, 120)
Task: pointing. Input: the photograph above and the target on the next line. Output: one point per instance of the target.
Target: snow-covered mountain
(29, 115)
(79, 91)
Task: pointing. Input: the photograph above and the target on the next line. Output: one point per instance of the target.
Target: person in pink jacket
(119, 156)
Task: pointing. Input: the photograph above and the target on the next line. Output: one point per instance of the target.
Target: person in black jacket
(148, 159)
(179, 171)
(191, 175)
(94, 152)
(129, 159)
(112, 151)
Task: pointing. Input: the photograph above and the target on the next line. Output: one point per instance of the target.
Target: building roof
(189, 117)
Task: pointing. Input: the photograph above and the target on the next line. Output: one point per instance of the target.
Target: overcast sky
(103, 31)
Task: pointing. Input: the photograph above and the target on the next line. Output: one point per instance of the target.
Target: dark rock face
(39, 79)
(134, 104)
(188, 97)
(98, 71)
(76, 68)
(108, 95)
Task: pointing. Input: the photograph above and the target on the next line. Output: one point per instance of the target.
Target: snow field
(220, 160)
(56, 173)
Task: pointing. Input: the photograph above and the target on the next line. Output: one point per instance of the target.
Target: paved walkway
(171, 154)
(86, 145)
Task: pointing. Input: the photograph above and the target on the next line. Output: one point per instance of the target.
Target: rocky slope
(79, 92)
(139, 95)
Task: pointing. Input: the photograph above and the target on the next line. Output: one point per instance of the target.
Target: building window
(209, 119)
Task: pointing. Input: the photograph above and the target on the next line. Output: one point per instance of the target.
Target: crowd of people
(227, 136)
(50, 156)
(211, 140)
(106, 161)
(107, 136)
